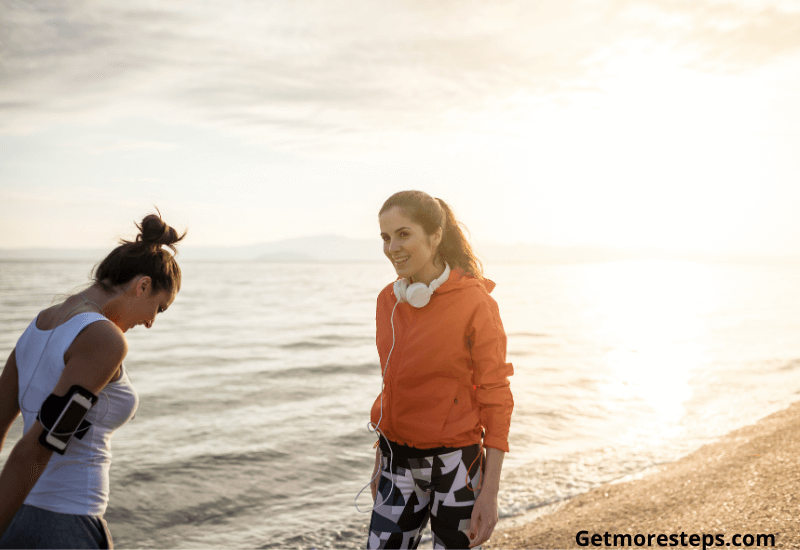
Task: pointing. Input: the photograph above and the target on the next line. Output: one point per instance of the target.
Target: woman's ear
(436, 238)
(142, 284)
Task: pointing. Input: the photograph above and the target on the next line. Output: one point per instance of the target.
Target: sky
(628, 123)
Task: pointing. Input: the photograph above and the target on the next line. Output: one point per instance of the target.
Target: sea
(256, 386)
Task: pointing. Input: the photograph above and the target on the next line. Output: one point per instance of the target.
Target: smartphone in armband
(69, 420)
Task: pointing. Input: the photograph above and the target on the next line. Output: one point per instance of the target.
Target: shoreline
(743, 483)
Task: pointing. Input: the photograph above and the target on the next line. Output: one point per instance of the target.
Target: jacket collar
(458, 280)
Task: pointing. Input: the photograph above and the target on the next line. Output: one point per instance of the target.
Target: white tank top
(77, 481)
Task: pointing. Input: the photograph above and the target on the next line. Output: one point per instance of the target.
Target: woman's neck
(428, 274)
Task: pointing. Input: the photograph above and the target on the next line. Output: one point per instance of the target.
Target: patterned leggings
(432, 487)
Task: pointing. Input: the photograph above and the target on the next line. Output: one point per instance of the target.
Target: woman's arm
(487, 342)
(91, 361)
(493, 394)
(9, 390)
(25, 464)
(484, 512)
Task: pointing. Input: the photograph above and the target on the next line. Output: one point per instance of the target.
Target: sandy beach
(745, 483)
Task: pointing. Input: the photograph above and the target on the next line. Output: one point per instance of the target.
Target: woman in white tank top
(52, 500)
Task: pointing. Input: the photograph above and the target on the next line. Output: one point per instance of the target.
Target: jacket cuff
(495, 443)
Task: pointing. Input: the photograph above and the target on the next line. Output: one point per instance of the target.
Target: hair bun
(155, 232)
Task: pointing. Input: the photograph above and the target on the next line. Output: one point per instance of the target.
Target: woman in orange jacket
(445, 394)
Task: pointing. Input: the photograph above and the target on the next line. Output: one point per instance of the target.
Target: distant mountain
(54, 254)
(321, 248)
(285, 256)
(334, 248)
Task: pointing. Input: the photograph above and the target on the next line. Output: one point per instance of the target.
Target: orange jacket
(447, 377)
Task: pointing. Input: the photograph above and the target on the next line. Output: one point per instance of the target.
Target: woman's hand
(484, 511)
(484, 518)
(375, 475)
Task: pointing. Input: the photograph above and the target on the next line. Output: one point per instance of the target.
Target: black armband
(62, 417)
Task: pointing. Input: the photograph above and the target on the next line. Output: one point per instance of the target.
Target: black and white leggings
(432, 487)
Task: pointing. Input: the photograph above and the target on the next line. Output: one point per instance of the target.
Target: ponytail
(144, 255)
(432, 214)
(455, 248)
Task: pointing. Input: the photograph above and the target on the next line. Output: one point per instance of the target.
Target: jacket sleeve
(487, 343)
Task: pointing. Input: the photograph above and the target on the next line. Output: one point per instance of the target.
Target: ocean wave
(215, 512)
(305, 344)
(321, 370)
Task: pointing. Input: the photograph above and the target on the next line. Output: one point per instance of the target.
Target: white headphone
(419, 294)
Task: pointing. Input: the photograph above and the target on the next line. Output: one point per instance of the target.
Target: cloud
(722, 35)
(321, 70)
(339, 64)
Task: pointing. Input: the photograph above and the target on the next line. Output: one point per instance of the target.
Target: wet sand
(745, 483)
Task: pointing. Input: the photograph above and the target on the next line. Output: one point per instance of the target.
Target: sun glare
(649, 313)
(657, 154)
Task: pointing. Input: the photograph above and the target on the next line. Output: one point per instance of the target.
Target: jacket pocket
(422, 414)
(463, 418)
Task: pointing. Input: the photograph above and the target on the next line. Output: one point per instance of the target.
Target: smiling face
(413, 252)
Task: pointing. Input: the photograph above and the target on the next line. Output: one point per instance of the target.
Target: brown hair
(143, 256)
(432, 213)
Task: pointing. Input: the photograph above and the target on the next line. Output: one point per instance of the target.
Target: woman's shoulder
(102, 339)
(468, 286)
(61, 314)
(387, 291)
(105, 332)
(49, 318)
